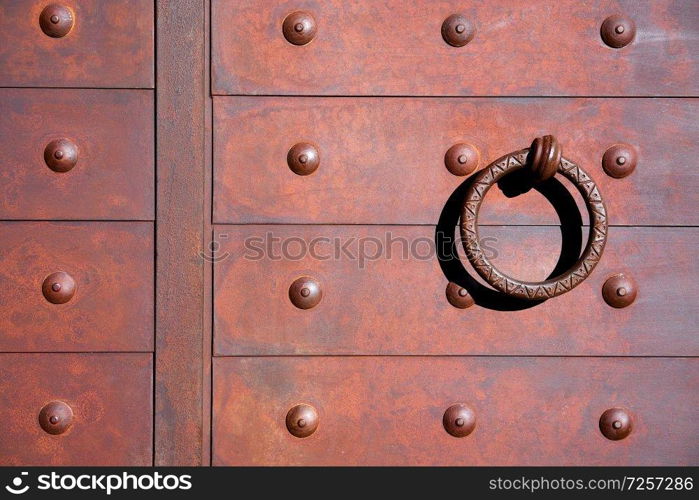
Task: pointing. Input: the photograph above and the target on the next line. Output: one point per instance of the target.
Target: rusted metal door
(372, 306)
(386, 233)
(77, 205)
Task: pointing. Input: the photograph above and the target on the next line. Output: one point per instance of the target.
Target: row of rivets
(305, 292)
(619, 291)
(460, 159)
(61, 155)
(302, 420)
(459, 420)
(300, 28)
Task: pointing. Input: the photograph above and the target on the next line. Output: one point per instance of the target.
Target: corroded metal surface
(393, 301)
(107, 44)
(113, 175)
(394, 47)
(110, 397)
(389, 410)
(181, 434)
(382, 160)
(111, 307)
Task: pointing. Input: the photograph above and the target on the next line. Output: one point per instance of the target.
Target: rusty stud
(459, 420)
(618, 31)
(58, 287)
(458, 296)
(619, 160)
(544, 157)
(61, 155)
(619, 290)
(305, 293)
(616, 423)
(462, 159)
(299, 28)
(56, 417)
(56, 20)
(457, 30)
(302, 420)
(303, 158)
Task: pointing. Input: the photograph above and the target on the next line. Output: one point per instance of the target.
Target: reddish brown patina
(394, 47)
(182, 339)
(110, 397)
(389, 410)
(113, 176)
(382, 161)
(344, 123)
(110, 44)
(396, 303)
(111, 264)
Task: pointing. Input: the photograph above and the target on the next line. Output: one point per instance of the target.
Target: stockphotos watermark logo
(362, 249)
(105, 483)
(18, 487)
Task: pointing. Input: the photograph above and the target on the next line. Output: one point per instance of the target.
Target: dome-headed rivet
(58, 287)
(302, 420)
(56, 417)
(459, 420)
(619, 160)
(619, 290)
(457, 30)
(616, 423)
(305, 292)
(462, 159)
(303, 158)
(61, 155)
(299, 28)
(56, 20)
(458, 296)
(618, 31)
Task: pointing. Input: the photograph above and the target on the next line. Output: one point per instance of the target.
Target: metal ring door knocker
(544, 158)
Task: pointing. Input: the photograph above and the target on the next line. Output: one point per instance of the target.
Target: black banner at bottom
(229, 482)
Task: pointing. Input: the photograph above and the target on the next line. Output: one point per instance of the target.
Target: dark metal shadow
(512, 185)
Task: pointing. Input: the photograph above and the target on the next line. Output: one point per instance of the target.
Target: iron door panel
(111, 268)
(382, 160)
(539, 47)
(110, 45)
(389, 410)
(114, 169)
(383, 293)
(106, 393)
